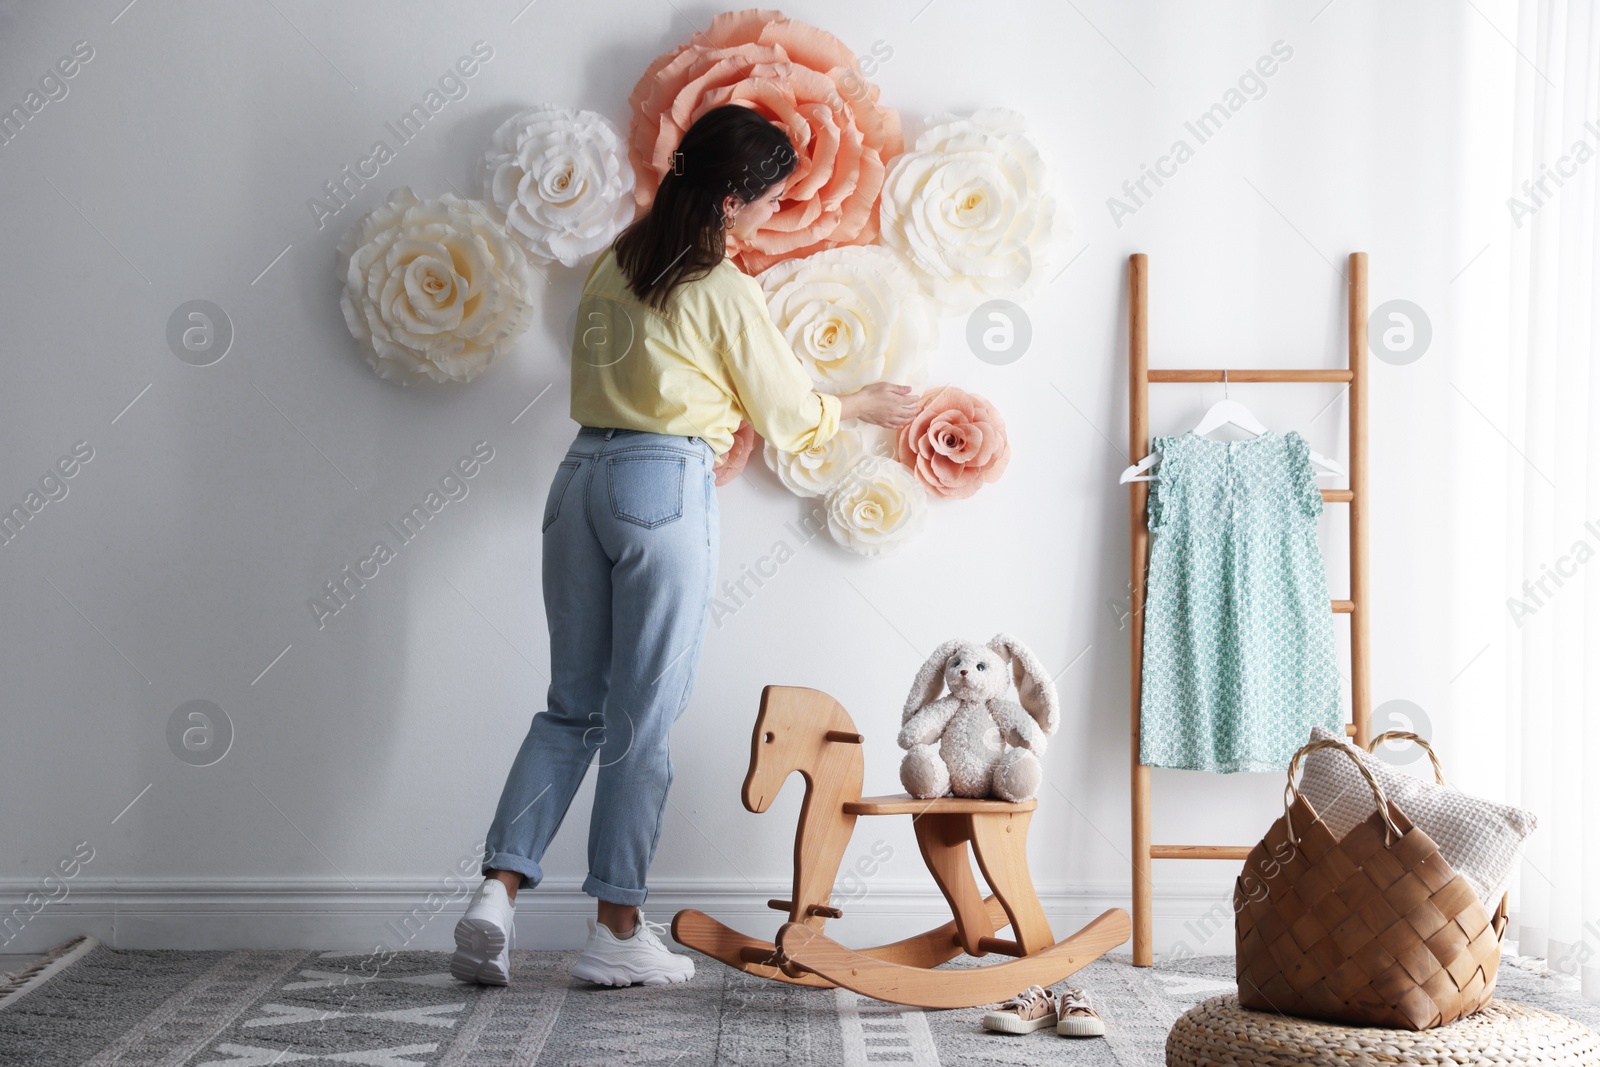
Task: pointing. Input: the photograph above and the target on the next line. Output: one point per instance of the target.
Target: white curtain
(1551, 490)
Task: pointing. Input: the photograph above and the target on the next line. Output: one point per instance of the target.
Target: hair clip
(677, 163)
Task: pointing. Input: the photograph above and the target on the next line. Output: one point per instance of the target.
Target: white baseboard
(410, 914)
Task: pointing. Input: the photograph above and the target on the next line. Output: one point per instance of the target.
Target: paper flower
(955, 442)
(853, 315)
(731, 463)
(433, 288)
(876, 507)
(562, 180)
(817, 469)
(806, 81)
(970, 208)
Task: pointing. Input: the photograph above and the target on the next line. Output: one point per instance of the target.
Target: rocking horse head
(799, 729)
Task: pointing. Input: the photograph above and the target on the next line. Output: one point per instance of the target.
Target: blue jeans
(630, 562)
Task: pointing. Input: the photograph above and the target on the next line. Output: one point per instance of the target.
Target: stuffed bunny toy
(976, 742)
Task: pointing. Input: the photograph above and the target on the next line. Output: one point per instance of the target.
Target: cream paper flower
(876, 507)
(818, 469)
(433, 288)
(563, 181)
(970, 208)
(854, 315)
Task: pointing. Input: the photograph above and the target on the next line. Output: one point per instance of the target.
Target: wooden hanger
(1224, 412)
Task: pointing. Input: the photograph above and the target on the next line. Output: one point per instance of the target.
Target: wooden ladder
(1140, 376)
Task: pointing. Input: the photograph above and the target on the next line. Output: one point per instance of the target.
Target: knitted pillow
(1478, 837)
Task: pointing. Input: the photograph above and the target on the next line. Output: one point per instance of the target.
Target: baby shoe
(484, 935)
(639, 957)
(1075, 1018)
(1032, 1009)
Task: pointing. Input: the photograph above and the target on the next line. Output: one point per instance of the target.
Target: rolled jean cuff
(508, 861)
(613, 894)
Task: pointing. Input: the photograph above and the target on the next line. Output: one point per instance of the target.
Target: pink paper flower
(954, 443)
(731, 463)
(805, 80)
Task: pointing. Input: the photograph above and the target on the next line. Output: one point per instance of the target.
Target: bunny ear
(929, 680)
(1036, 692)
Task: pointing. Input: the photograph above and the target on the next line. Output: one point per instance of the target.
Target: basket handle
(1390, 830)
(1407, 735)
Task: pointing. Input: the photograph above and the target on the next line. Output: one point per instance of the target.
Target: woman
(673, 348)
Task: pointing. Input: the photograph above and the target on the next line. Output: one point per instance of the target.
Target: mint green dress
(1238, 634)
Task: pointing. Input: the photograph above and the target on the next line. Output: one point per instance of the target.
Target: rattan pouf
(1219, 1033)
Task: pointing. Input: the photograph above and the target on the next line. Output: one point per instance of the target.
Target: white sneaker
(641, 957)
(484, 937)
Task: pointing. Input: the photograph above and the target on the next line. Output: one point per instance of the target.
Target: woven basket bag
(1376, 929)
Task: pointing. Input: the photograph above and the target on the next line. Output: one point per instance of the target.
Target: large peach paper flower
(805, 80)
(955, 443)
(971, 208)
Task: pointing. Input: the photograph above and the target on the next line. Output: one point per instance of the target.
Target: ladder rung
(1338, 496)
(1343, 607)
(1199, 852)
(1349, 729)
(1330, 374)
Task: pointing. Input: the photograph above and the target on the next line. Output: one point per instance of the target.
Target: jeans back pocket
(646, 488)
(558, 489)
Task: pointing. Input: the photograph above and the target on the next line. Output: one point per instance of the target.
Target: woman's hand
(881, 403)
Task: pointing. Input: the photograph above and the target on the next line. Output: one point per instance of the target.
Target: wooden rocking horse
(806, 730)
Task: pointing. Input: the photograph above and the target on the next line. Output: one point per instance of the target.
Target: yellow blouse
(714, 357)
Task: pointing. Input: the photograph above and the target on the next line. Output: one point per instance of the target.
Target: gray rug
(249, 1008)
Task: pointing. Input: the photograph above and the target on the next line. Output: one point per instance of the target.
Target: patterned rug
(252, 1009)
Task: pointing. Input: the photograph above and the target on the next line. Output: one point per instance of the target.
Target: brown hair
(729, 151)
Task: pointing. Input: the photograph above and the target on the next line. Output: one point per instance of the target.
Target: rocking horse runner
(806, 730)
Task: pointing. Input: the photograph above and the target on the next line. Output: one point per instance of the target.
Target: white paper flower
(817, 470)
(970, 208)
(562, 180)
(433, 288)
(876, 507)
(854, 315)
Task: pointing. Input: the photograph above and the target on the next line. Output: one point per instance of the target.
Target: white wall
(368, 758)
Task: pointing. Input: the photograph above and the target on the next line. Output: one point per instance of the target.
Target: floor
(234, 1008)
